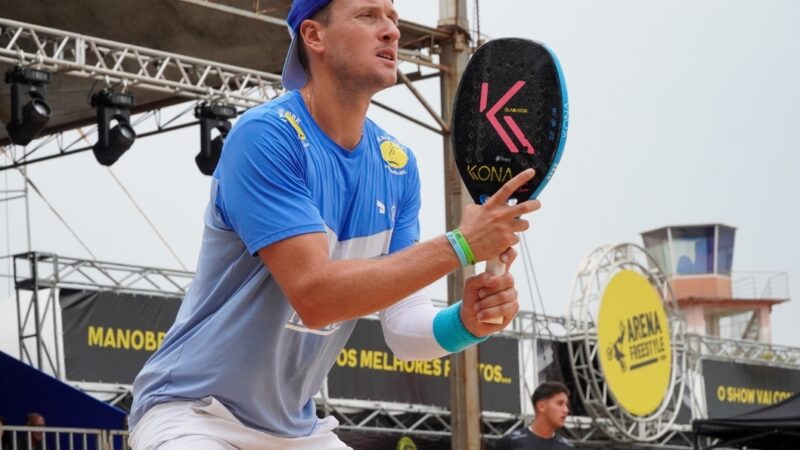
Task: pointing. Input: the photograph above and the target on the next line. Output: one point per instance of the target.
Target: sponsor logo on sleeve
(294, 121)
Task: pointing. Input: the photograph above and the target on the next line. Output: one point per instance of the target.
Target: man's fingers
(495, 284)
(507, 309)
(520, 225)
(507, 190)
(497, 299)
(522, 209)
(484, 283)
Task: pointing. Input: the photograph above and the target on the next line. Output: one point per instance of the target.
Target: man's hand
(487, 296)
(491, 228)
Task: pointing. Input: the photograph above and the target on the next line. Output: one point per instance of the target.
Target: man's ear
(313, 35)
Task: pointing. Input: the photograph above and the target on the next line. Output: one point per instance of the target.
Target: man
(551, 408)
(33, 440)
(313, 223)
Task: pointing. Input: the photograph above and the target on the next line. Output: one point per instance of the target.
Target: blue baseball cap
(294, 76)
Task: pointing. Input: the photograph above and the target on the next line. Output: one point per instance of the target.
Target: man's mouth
(388, 55)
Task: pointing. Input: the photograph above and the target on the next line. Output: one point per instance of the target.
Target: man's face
(360, 43)
(554, 410)
(38, 421)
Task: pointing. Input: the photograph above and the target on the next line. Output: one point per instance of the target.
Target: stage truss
(414, 420)
(39, 276)
(127, 67)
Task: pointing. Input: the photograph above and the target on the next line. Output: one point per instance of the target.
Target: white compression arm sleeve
(408, 328)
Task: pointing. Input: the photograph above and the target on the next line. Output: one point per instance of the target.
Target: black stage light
(212, 116)
(29, 111)
(112, 142)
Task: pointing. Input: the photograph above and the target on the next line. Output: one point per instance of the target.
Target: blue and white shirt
(236, 336)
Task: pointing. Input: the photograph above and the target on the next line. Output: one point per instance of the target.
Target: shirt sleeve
(408, 328)
(406, 230)
(262, 192)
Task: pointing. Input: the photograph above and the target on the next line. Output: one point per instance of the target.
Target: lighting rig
(115, 135)
(29, 110)
(214, 116)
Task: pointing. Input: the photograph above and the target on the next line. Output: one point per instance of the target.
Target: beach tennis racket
(511, 113)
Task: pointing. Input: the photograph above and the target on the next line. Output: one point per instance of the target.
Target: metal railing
(760, 285)
(752, 352)
(55, 438)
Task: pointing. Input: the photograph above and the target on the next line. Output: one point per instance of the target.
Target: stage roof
(242, 33)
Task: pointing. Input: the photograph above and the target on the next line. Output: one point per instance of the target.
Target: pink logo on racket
(492, 116)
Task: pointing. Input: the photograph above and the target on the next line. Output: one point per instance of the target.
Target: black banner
(108, 336)
(554, 365)
(366, 369)
(734, 388)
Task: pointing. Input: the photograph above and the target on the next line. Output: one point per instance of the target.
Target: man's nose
(392, 32)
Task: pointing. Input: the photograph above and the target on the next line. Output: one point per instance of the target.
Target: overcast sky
(681, 112)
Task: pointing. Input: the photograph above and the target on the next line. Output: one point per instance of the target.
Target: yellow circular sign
(634, 339)
(394, 155)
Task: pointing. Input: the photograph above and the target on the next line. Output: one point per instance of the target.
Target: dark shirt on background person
(525, 440)
(22, 442)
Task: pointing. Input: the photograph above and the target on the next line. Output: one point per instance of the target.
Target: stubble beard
(355, 82)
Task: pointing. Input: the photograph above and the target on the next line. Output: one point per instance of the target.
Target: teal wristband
(450, 332)
(462, 258)
(462, 241)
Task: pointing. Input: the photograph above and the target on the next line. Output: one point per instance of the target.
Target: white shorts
(207, 425)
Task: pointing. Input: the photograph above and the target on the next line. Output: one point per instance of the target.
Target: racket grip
(495, 267)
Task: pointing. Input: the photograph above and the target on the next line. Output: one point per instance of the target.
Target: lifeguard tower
(697, 259)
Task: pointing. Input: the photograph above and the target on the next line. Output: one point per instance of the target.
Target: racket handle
(495, 267)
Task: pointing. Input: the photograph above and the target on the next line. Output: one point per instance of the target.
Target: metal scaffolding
(41, 275)
(134, 67)
(129, 65)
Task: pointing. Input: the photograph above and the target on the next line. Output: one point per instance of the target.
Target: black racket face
(510, 114)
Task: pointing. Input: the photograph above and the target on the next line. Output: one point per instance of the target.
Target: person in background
(551, 408)
(33, 440)
(5, 438)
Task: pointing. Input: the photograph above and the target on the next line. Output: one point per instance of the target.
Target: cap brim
(293, 76)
